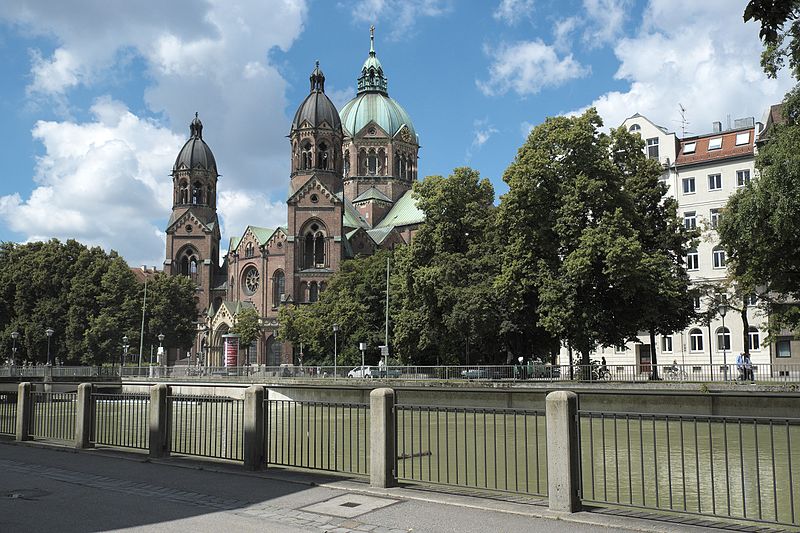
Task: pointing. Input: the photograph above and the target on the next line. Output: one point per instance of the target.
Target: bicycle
(675, 373)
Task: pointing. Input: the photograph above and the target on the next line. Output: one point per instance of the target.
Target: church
(349, 194)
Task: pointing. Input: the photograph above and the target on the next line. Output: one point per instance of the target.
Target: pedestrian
(740, 366)
(748, 369)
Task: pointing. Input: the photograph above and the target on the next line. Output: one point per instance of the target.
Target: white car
(362, 372)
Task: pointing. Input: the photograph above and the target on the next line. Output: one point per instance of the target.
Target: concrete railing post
(254, 428)
(383, 457)
(24, 406)
(563, 453)
(83, 417)
(158, 423)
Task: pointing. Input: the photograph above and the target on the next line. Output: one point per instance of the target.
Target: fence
(318, 435)
(730, 467)
(208, 426)
(498, 449)
(120, 420)
(52, 415)
(8, 413)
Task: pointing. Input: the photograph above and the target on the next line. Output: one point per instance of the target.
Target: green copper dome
(372, 103)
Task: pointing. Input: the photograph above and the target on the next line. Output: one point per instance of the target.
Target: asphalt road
(45, 489)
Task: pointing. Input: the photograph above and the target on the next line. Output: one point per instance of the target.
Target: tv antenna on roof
(684, 122)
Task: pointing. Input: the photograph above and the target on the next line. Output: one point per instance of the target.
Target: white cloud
(525, 128)
(562, 33)
(482, 131)
(399, 15)
(699, 54)
(239, 209)
(511, 11)
(527, 67)
(101, 182)
(605, 20)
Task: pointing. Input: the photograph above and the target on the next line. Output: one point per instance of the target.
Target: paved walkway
(58, 489)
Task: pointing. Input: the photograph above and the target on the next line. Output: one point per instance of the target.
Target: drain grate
(349, 504)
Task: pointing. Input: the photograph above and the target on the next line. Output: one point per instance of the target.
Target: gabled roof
(404, 213)
(233, 243)
(262, 235)
(638, 115)
(379, 234)
(311, 183)
(352, 218)
(372, 194)
(233, 307)
(208, 222)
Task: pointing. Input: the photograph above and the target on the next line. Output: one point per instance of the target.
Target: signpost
(231, 348)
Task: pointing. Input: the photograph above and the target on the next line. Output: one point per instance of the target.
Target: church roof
(209, 220)
(403, 213)
(352, 218)
(372, 194)
(262, 234)
(317, 108)
(379, 234)
(195, 153)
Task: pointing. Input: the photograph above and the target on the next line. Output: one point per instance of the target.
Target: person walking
(748, 368)
(740, 366)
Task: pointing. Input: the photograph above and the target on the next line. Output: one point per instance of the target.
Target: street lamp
(723, 310)
(363, 347)
(15, 336)
(125, 347)
(49, 332)
(335, 349)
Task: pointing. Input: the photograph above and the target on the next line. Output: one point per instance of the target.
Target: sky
(97, 95)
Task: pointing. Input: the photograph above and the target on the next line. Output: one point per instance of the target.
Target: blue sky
(96, 97)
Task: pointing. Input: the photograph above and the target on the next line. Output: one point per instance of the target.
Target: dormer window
(689, 148)
(715, 144)
(742, 138)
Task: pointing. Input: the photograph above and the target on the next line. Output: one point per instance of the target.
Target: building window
(751, 299)
(652, 148)
(248, 250)
(251, 280)
(742, 138)
(715, 216)
(666, 343)
(715, 144)
(714, 182)
(723, 339)
(689, 148)
(305, 157)
(620, 348)
(783, 348)
(313, 292)
(346, 163)
(742, 178)
(688, 185)
(314, 248)
(634, 128)
(696, 302)
(719, 257)
(692, 260)
(696, 340)
(690, 220)
(278, 287)
(754, 339)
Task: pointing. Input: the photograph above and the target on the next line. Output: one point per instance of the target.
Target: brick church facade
(349, 194)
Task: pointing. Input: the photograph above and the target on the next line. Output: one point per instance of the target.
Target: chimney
(144, 268)
(716, 127)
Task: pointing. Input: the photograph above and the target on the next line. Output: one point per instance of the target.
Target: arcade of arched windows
(189, 263)
(198, 194)
(249, 250)
(314, 246)
(310, 291)
(405, 167)
(372, 162)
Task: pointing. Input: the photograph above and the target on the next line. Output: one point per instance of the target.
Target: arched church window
(372, 162)
(303, 292)
(189, 265)
(193, 269)
(251, 280)
(197, 193)
(314, 247)
(313, 292)
(308, 251)
(382, 162)
(397, 165)
(248, 250)
(306, 156)
(183, 194)
(209, 195)
(278, 287)
(362, 163)
(323, 156)
(319, 250)
(322, 286)
(346, 163)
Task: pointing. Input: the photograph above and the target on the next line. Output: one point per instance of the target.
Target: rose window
(251, 280)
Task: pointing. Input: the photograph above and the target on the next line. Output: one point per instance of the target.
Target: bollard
(383, 457)
(563, 455)
(24, 407)
(83, 417)
(159, 433)
(254, 428)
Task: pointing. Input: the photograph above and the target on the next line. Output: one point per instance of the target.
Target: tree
(448, 305)
(759, 228)
(780, 42)
(171, 310)
(247, 327)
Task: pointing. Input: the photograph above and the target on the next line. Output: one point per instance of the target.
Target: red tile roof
(729, 149)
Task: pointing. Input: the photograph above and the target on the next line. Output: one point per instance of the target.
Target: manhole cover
(26, 494)
(349, 505)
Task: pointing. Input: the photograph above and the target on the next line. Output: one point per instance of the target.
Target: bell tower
(193, 235)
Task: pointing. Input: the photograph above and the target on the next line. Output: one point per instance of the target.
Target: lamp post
(160, 353)
(723, 310)
(363, 347)
(49, 332)
(14, 336)
(125, 347)
(335, 349)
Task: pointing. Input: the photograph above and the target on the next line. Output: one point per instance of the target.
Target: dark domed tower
(315, 205)
(193, 230)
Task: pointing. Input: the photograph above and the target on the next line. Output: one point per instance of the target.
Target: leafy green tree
(448, 305)
(171, 310)
(780, 27)
(247, 327)
(759, 228)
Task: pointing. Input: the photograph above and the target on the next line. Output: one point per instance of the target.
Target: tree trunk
(745, 327)
(653, 358)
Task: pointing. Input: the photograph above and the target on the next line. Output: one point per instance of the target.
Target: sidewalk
(58, 489)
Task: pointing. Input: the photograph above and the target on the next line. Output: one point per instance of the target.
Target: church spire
(317, 80)
(372, 78)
